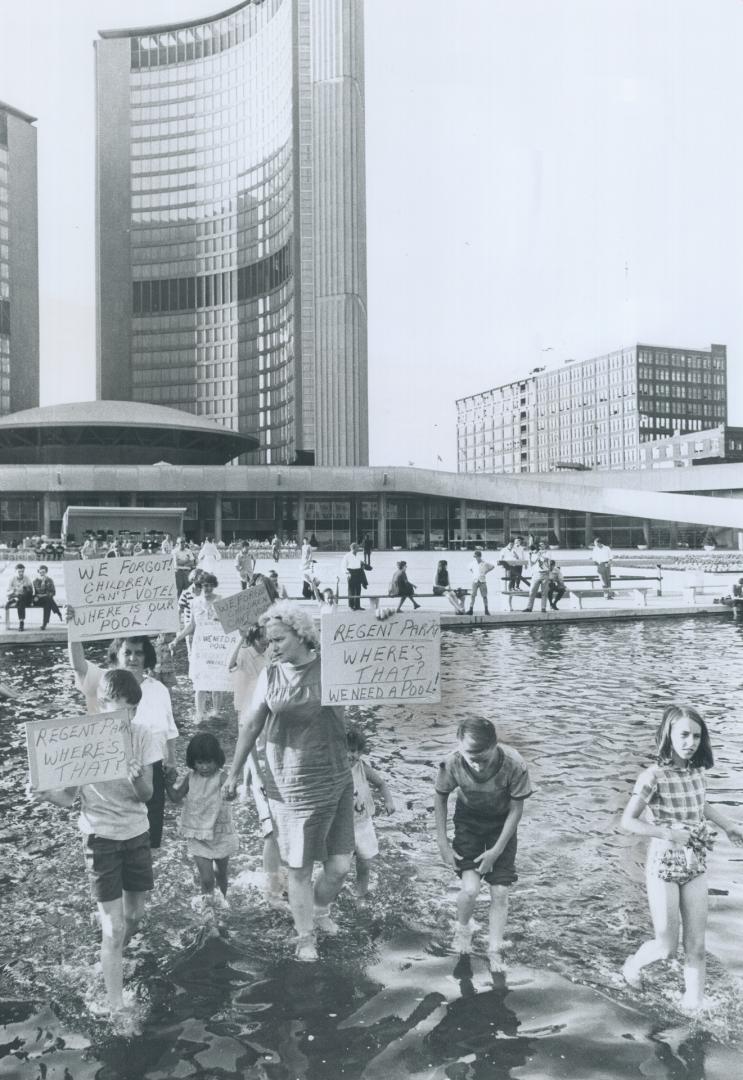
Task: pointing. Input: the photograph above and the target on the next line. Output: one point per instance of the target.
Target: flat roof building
(231, 272)
(19, 262)
(713, 446)
(592, 413)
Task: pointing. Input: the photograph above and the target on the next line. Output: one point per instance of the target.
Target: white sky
(545, 179)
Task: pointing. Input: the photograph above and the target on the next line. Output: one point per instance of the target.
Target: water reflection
(388, 999)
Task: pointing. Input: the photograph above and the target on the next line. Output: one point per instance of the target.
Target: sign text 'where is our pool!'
(129, 596)
(396, 659)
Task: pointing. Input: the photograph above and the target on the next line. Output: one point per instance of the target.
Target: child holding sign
(491, 781)
(116, 842)
(206, 819)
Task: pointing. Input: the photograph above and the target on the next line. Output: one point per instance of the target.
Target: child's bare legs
(663, 898)
(497, 924)
(112, 946)
(134, 905)
(205, 868)
(203, 698)
(221, 866)
(363, 867)
(466, 901)
(693, 903)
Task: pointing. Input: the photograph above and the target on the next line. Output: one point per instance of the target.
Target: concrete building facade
(231, 242)
(713, 446)
(593, 413)
(19, 262)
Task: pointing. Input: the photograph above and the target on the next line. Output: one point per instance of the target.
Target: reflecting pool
(387, 999)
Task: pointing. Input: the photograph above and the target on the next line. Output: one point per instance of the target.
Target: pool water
(388, 1000)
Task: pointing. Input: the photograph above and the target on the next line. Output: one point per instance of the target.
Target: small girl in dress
(673, 790)
(365, 836)
(206, 819)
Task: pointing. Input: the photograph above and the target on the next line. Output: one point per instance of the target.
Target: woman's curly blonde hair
(296, 619)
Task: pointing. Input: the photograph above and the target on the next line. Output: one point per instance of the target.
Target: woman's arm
(187, 631)
(732, 828)
(75, 649)
(632, 823)
(177, 792)
(246, 740)
(232, 666)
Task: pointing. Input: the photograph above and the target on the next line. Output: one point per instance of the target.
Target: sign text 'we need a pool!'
(396, 659)
(121, 597)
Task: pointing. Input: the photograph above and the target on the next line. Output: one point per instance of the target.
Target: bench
(29, 608)
(576, 597)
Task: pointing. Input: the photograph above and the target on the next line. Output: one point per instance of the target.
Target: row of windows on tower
(208, 290)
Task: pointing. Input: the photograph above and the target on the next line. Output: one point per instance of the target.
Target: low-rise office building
(592, 413)
(715, 446)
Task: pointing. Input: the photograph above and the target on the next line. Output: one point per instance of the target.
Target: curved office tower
(231, 224)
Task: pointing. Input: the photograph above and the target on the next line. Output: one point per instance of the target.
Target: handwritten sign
(210, 655)
(368, 659)
(243, 608)
(121, 597)
(71, 751)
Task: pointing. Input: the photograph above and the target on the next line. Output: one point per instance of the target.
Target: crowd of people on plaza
(314, 789)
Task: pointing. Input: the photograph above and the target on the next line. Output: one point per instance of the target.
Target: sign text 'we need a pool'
(121, 597)
(396, 659)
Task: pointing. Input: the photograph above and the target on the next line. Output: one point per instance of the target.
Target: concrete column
(506, 524)
(674, 534)
(300, 518)
(589, 529)
(427, 523)
(46, 517)
(556, 525)
(646, 531)
(133, 499)
(382, 523)
(463, 520)
(217, 518)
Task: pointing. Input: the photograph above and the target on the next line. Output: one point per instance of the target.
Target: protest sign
(211, 650)
(121, 597)
(75, 750)
(242, 608)
(396, 659)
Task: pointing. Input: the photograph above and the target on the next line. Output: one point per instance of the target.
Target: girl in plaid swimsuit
(673, 790)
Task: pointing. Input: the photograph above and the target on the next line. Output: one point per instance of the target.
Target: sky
(546, 180)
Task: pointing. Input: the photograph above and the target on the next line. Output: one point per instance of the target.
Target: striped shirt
(673, 795)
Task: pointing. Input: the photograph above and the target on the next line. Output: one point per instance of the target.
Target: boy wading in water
(491, 781)
(116, 841)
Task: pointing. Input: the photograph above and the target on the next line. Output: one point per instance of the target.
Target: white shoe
(220, 901)
(632, 974)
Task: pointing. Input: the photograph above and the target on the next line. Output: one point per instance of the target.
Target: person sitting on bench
(44, 592)
(20, 595)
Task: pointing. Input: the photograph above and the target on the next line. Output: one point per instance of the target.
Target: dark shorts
(117, 866)
(472, 837)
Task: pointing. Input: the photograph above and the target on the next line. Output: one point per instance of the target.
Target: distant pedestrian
(556, 587)
(275, 549)
(208, 556)
(352, 565)
(245, 564)
(400, 586)
(540, 567)
(442, 587)
(367, 545)
(184, 562)
(479, 569)
(602, 556)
